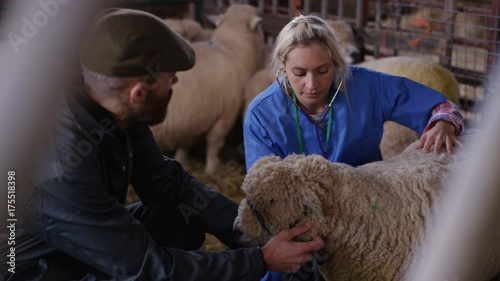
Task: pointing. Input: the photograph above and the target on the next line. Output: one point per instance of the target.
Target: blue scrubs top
(359, 113)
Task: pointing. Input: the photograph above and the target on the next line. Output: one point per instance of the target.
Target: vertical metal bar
(450, 9)
(361, 13)
(260, 7)
(395, 51)
(220, 4)
(291, 8)
(360, 24)
(198, 10)
(274, 7)
(494, 34)
(307, 7)
(324, 8)
(378, 24)
(340, 12)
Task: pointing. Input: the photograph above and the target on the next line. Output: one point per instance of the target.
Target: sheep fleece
(208, 98)
(424, 71)
(371, 217)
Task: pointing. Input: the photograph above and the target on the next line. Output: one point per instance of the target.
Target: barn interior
(460, 35)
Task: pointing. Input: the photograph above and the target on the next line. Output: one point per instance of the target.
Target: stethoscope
(326, 112)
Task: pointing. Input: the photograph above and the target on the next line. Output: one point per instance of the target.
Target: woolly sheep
(424, 71)
(190, 29)
(259, 81)
(373, 218)
(264, 77)
(265, 54)
(208, 98)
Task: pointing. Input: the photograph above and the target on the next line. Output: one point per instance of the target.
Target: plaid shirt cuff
(447, 111)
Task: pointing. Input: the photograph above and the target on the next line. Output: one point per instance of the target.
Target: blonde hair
(304, 30)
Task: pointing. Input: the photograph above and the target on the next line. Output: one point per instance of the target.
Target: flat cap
(128, 43)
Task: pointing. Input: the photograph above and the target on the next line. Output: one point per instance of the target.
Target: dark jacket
(74, 225)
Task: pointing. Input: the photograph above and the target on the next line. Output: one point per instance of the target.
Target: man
(74, 224)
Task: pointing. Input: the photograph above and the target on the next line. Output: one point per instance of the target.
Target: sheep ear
(192, 28)
(215, 19)
(254, 22)
(318, 169)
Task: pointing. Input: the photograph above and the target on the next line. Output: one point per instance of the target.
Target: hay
(227, 179)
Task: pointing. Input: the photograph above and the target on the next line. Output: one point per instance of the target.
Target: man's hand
(443, 133)
(282, 254)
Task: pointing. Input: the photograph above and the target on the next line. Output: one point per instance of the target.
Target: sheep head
(282, 193)
(237, 13)
(240, 25)
(345, 37)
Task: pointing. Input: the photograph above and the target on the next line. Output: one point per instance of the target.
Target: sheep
(264, 77)
(190, 29)
(345, 37)
(396, 137)
(259, 81)
(265, 54)
(373, 218)
(208, 98)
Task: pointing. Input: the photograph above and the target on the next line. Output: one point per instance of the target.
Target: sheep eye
(295, 223)
(271, 201)
(305, 212)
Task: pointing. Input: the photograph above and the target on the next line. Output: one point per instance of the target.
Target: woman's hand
(443, 133)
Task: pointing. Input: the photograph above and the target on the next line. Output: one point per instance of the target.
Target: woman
(321, 105)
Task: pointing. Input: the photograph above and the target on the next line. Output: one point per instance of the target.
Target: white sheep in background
(259, 81)
(396, 137)
(266, 52)
(208, 98)
(189, 29)
(264, 77)
(373, 218)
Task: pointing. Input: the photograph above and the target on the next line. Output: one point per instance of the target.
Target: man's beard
(155, 119)
(154, 113)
